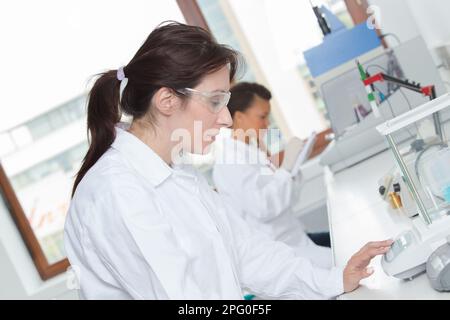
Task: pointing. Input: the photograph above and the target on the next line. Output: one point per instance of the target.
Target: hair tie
(123, 81)
(120, 74)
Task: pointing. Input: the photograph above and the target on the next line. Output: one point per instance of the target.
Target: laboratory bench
(357, 215)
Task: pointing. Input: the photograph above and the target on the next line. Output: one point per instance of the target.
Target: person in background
(246, 174)
(142, 224)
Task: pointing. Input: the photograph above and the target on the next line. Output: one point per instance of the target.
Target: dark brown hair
(175, 56)
(243, 94)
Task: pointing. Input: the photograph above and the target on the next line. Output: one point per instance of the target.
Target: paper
(304, 154)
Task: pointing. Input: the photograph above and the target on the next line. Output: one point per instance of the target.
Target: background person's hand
(277, 159)
(291, 153)
(357, 267)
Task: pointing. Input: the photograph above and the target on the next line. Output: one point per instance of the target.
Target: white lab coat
(244, 174)
(140, 229)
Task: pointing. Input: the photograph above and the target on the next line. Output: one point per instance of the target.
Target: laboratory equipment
(370, 89)
(414, 139)
(331, 65)
(323, 24)
(438, 268)
(340, 47)
(369, 81)
(394, 190)
(341, 89)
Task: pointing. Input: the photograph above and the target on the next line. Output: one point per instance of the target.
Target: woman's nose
(224, 119)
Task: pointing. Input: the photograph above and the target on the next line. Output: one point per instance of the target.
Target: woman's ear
(165, 101)
(237, 117)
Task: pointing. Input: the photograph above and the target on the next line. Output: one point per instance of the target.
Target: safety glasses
(216, 100)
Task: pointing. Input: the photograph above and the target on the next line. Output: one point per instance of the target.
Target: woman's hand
(357, 269)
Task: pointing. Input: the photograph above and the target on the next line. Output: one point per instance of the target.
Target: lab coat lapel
(218, 215)
(157, 242)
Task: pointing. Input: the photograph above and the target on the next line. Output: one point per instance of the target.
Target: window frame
(44, 268)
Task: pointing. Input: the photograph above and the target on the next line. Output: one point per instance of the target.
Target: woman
(245, 174)
(142, 227)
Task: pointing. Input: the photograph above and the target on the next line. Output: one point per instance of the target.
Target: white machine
(408, 255)
(430, 230)
(341, 88)
(438, 268)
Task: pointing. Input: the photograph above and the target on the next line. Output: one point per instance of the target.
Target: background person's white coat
(244, 175)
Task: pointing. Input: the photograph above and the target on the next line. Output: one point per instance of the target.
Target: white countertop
(358, 215)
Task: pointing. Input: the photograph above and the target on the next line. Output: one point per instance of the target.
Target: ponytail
(174, 56)
(102, 115)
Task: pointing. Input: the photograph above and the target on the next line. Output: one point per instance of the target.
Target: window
(6, 143)
(220, 26)
(43, 136)
(273, 35)
(226, 30)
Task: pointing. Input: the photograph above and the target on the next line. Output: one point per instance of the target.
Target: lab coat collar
(141, 157)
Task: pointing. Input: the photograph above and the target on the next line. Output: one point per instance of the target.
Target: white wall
(412, 18)
(432, 18)
(396, 17)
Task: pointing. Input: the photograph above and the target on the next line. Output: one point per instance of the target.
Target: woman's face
(255, 118)
(198, 122)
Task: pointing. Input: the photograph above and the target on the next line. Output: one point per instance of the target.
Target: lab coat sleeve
(263, 194)
(271, 269)
(137, 246)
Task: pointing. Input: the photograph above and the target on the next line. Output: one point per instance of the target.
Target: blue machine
(340, 45)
